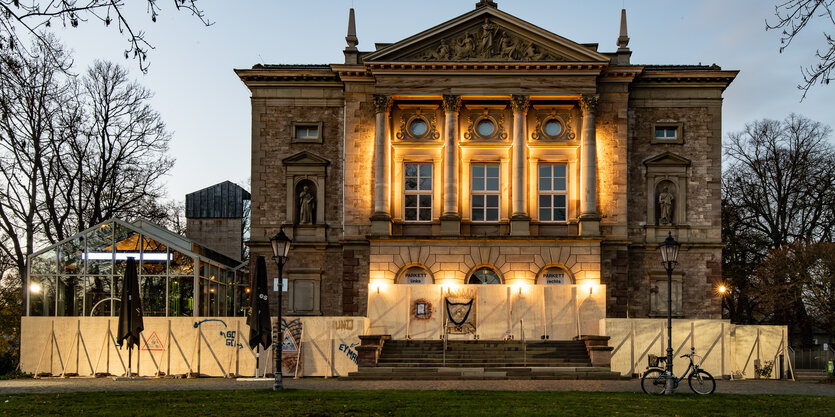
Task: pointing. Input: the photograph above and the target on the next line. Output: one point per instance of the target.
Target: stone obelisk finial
(623, 39)
(624, 53)
(351, 52)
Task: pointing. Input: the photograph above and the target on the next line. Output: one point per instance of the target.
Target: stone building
(486, 150)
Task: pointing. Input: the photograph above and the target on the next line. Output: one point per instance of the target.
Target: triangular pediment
(486, 35)
(305, 158)
(667, 159)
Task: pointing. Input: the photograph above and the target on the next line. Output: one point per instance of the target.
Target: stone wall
(516, 261)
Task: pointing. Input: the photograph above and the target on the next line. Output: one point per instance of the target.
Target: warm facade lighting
(35, 288)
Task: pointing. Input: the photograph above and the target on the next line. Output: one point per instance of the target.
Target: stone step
(485, 373)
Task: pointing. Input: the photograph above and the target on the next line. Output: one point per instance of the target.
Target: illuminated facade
(488, 151)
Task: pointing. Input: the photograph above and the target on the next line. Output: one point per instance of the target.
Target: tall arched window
(484, 276)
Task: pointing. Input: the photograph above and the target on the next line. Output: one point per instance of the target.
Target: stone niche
(666, 182)
(305, 175)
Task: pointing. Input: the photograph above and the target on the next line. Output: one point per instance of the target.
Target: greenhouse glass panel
(39, 290)
(213, 299)
(45, 263)
(181, 264)
(204, 298)
(154, 257)
(241, 299)
(97, 296)
(181, 296)
(70, 296)
(222, 301)
(72, 256)
(100, 250)
(127, 246)
(152, 293)
(117, 294)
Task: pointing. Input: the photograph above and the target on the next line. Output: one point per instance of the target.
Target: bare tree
(778, 191)
(796, 285)
(31, 91)
(33, 17)
(792, 17)
(781, 179)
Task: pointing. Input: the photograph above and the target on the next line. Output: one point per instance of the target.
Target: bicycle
(654, 380)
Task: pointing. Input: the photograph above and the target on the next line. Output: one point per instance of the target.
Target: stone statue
(506, 47)
(665, 202)
(306, 203)
(486, 40)
(464, 47)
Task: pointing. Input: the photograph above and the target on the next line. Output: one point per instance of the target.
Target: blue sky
(207, 107)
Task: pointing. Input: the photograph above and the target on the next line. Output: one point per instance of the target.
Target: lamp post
(669, 253)
(281, 246)
(723, 292)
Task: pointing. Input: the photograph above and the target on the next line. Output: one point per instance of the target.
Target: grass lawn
(408, 403)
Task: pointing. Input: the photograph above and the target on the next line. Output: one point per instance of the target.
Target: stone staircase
(475, 359)
(810, 375)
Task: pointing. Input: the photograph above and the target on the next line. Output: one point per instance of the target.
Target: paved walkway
(62, 385)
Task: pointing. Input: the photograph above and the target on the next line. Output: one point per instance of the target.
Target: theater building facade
(489, 159)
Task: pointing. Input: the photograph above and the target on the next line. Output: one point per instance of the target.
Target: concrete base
(520, 226)
(450, 226)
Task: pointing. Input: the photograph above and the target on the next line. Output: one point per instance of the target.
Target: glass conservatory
(82, 275)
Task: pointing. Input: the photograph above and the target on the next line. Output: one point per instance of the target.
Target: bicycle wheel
(701, 382)
(654, 382)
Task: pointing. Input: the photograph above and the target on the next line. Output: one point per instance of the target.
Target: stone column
(519, 220)
(381, 220)
(450, 218)
(589, 220)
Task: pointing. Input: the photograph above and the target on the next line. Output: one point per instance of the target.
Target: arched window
(554, 276)
(416, 275)
(484, 276)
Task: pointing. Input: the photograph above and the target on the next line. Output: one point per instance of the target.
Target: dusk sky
(207, 107)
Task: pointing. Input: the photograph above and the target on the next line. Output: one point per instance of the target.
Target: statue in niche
(307, 202)
(665, 204)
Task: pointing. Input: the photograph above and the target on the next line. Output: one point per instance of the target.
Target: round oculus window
(485, 128)
(418, 127)
(553, 128)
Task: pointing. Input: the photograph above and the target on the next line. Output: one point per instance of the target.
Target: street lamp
(281, 246)
(669, 253)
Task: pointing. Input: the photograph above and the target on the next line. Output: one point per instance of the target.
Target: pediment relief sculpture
(553, 125)
(489, 42)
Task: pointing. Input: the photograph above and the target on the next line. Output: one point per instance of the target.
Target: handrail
(446, 335)
(524, 343)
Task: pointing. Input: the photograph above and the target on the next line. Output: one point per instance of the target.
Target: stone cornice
(255, 77)
(484, 68)
(672, 78)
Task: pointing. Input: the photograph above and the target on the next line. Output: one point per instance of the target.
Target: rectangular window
(666, 133)
(485, 193)
(553, 193)
(418, 192)
(306, 132)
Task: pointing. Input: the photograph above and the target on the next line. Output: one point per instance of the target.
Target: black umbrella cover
(260, 329)
(130, 313)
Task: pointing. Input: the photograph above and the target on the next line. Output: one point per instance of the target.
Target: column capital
(588, 102)
(520, 103)
(452, 103)
(382, 103)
